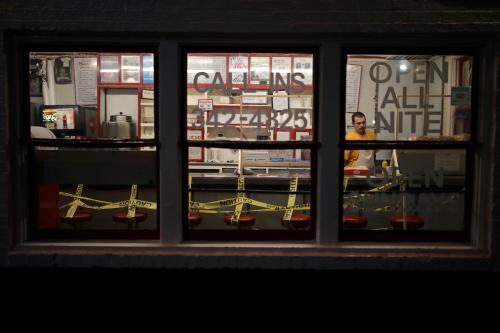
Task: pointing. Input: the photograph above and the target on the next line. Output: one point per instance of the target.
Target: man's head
(359, 122)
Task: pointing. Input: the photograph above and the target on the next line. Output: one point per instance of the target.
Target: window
(251, 146)
(93, 153)
(409, 146)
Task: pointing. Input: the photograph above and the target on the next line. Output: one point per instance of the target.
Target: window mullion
(170, 165)
(330, 109)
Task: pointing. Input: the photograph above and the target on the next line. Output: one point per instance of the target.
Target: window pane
(269, 185)
(409, 190)
(250, 97)
(95, 189)
(92, 95)
(409, 97)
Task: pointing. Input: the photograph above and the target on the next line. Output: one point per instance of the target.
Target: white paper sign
(353, 82)
(206, 104)
(86, 81)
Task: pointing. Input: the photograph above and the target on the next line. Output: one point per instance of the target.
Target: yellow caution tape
(72, 210)
(131, 203)
(291, 198)
(237, 209)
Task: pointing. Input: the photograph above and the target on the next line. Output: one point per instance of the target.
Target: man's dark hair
(357, 114)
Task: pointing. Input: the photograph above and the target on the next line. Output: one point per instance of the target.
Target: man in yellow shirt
(356, 158)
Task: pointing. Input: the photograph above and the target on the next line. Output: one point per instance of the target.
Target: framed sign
(304, 65)
(130, 69)
(109, 69)
(282, 65)
(238, 66)
(207, 64)
(148, 69)
(259, 70)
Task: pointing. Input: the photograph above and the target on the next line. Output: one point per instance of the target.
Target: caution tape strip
(238, 208)
(131, 202)
(72, 210)
(291, 198)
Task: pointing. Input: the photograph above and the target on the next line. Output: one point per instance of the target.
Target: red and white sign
(206, 104)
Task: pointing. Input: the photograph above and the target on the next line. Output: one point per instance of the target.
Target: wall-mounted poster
(304, 65)
(238, 66)
(86, 81)
(259, 70)
(130, 69)
(148, 69)
(207, 64)
(109, 68)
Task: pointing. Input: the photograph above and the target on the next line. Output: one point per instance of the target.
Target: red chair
(354, 222)
(121, 217)
(78, 217)
(194, 219)
(297, 221)
(245, 219)
(413, 221)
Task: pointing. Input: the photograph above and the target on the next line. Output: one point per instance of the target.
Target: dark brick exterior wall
(192, 17)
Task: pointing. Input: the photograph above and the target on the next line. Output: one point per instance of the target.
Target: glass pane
(273, 193)
(408, 97)
(408, 190)
(79, 95)
(96, 189)
(250, 97)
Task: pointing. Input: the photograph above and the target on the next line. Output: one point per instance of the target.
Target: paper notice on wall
(447, 162)
(280, 103)
(86, 81)
(353, 82)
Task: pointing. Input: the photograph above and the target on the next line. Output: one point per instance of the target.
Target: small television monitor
(66, 120)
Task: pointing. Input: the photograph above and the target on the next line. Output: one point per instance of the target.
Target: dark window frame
(250, 235)
(471, 147)
(47, 43)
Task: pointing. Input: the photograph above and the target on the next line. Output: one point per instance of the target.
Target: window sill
(256, 249)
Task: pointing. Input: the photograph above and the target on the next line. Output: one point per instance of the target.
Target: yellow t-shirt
(353, 155)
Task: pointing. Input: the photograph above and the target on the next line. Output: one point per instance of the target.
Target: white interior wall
(122, 100)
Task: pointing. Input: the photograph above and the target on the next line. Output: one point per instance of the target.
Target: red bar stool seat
(78, 217)
(121, 217)
(245, 219)
(413, 221)
(297, 221)
(194, 219)
(354, 221)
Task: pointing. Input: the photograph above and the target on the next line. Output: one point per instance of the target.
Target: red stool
(354, 221)
(194, 219)
(78, 217)
(121, 217)
(413, 221)
(297, 221)
(245, 219)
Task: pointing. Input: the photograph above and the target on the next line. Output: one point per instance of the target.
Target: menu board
(353, 82)
(209, 65)
(86, 81)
